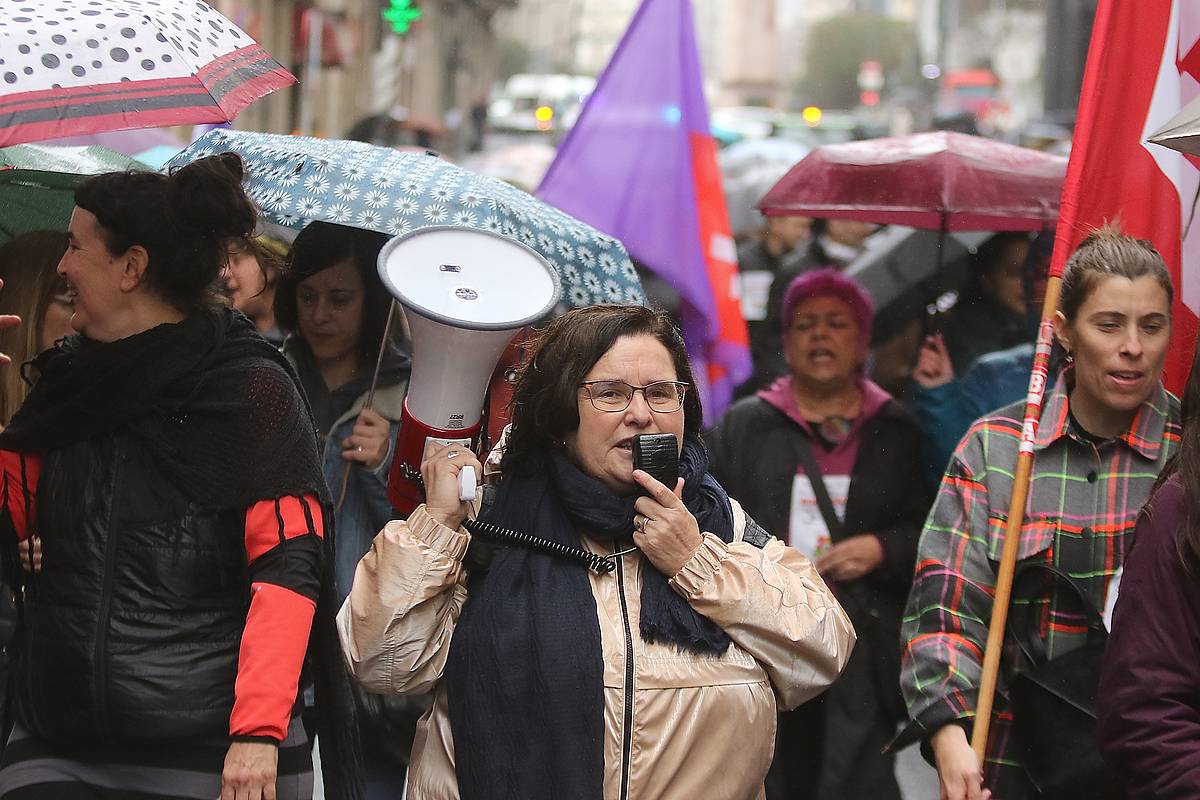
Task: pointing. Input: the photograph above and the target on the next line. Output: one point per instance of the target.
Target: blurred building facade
(547, 32)
(753, 51)
(1068, 31)
(736, 40)
(351, 64)
(578, 36)
(748, 58)
(1037, 48)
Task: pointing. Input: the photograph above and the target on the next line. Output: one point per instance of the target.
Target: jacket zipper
(627, 727)
(102, 622)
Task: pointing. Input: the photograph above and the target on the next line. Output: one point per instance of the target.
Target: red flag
(1142, 68)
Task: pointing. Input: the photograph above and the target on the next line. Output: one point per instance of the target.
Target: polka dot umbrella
(296, 180)
(71, 67)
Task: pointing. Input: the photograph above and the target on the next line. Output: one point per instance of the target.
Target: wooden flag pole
(1016, 516)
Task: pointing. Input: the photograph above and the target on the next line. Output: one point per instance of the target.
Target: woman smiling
(167, 460)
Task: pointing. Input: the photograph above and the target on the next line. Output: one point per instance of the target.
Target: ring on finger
(454, 454)
(640, 524)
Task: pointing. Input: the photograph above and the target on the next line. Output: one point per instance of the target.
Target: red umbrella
(939, 181)
(75, 67)
(947, 182)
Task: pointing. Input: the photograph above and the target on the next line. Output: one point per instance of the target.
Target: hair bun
(206, 196)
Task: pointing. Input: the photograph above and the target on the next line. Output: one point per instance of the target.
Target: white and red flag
(1143, 66)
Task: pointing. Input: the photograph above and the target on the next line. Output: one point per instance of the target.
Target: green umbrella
(37, 183)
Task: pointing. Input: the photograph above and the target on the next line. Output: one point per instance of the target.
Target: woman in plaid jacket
(1105, 433)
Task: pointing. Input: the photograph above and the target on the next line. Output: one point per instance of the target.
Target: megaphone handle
(466, 484)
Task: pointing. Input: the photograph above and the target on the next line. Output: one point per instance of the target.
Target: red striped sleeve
(275, 638)
(20, 489)
(265, 518)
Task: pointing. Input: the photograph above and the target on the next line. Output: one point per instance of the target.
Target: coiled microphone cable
(602, 565)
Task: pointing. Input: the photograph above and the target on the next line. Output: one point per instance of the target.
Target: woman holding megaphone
(656, 676)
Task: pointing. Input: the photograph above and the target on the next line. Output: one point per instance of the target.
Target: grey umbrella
(1182, 131)
(899, 258)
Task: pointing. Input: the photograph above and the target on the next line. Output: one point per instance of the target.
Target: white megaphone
(465, 294)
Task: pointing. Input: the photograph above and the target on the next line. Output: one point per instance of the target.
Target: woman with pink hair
(829, 458)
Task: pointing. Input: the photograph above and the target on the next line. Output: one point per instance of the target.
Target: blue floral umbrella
(297, 180)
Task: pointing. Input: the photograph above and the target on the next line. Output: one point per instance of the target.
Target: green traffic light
(401, 14)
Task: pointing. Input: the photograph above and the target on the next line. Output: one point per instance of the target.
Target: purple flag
(641, 165)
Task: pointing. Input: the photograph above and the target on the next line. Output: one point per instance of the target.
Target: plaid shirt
(1083, 502)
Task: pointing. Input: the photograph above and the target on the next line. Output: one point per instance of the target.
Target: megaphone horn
(465, 294)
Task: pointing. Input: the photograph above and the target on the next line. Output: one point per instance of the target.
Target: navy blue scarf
(525, 670)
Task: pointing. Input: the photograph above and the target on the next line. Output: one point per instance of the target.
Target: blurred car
(736, 123)
(529, 103)
(832, 127)
(744, 122)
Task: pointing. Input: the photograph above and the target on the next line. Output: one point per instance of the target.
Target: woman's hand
(439, 470)
(30, 551)
(368, 440)
(851, 558)
(250, 770)
(663, 527)
(958, 767)
(933, 364)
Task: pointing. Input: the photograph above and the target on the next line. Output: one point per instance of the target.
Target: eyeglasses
(661, 396)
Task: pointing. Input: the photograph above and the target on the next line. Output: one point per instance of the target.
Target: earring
(1068, 357)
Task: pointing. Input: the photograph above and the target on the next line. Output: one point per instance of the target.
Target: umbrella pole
(941, 251)
(387, 332)
(933, 311)
(941, 264)
(1016, 516)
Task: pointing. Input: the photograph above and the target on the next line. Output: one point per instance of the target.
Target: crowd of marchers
(208, 591)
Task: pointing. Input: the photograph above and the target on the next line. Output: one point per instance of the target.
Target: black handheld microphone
(657, 454)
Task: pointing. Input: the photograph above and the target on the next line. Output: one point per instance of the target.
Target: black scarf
(525, 670)
(220, 412)
(210, 399)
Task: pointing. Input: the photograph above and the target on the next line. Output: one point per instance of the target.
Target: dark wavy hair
(186, 221)
(545, 404)
(322, 245)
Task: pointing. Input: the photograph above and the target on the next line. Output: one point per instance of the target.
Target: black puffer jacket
(753, 454)
(135, 629)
